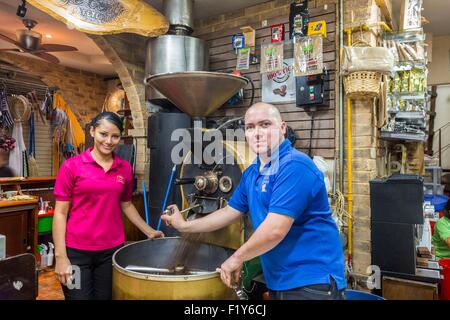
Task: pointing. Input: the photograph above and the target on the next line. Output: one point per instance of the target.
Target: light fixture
(48, 36)
(22, 9)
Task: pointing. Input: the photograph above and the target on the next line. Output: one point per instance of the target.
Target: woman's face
(106, 137)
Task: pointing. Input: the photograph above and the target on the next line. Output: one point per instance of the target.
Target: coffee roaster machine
(179, 136)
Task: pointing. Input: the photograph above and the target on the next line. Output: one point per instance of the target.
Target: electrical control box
(310, 90)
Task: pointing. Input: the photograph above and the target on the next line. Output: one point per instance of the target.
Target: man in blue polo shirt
(285, 195)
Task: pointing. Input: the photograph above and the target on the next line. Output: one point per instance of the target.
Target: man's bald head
(264, 128)
(271, 110)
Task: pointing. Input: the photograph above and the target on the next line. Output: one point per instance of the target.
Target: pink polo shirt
(95, 216)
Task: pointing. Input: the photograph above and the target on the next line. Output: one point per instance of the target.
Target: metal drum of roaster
(145, 270)
(173, 53)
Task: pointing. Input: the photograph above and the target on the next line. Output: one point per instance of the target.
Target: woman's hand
(153, 234)
(63, 270)
(133, 215)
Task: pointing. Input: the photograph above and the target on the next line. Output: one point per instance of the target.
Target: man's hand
(230, 271)
(175, 220)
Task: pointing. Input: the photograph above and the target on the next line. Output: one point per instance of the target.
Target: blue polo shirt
(292, 185)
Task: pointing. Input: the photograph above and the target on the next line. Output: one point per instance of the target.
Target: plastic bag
(377, 59)
(308, 55)
(323, 167)
(243, 59)
(272, 57)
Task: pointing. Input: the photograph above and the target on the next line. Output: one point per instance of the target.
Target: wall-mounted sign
(238, 41)
(106, 17)
(279, 87)
(317, 27)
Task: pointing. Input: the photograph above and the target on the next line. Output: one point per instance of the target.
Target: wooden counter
(15, 203)
(26, 181)
(18, 222)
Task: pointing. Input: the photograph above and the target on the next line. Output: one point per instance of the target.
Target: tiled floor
(49, 286)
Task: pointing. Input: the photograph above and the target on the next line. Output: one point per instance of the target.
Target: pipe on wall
(341, 100)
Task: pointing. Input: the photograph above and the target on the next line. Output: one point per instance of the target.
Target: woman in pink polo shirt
(91, 191)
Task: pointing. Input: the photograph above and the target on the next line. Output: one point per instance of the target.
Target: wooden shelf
(25, 181)
(15, 203)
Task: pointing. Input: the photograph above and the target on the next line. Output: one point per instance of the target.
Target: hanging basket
(362, 84)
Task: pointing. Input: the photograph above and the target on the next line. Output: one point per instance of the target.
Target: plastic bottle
(43, 256)
(50, 254)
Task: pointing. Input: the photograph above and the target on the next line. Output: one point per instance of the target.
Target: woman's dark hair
(110, 117)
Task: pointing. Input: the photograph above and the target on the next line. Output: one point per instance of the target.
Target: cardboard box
(422, 262)
(358, 13)
(415, 158)
(371, 37)
(402, 289)
(429, 46)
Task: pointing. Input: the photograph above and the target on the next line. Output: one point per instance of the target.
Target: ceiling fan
(30, 42)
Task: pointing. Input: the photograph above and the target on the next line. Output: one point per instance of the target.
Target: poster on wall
(279, 86)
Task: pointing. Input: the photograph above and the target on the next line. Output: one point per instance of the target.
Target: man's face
(263, 130)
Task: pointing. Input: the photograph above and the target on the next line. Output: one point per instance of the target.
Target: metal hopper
(197, 93)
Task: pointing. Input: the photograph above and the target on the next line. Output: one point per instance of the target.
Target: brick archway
(126, 52)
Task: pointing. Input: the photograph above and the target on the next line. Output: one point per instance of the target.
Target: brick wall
(85, 92)
(217, 32)
(365, 152)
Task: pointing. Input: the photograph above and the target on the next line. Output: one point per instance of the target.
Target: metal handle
(184, 181)
(239, 289)
(170, 211)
